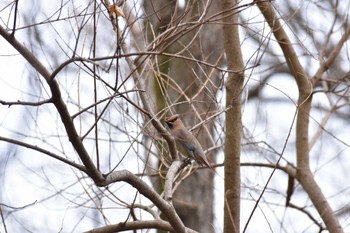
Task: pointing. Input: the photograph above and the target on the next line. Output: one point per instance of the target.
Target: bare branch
(167, 209)
(23, 103)
(304, 174)
(322, 228)
(41, 150)
(125, 226)
(169, 180)
(324, 66)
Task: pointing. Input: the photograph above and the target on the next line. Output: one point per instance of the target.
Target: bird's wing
(189, 147)
(182, 138)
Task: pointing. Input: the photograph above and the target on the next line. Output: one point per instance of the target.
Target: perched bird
(187, 140)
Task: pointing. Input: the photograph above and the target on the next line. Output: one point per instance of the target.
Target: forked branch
(305, 87)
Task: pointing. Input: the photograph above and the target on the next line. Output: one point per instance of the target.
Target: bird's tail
(204, 162)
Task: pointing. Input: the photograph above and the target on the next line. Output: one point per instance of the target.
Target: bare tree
(263, 85)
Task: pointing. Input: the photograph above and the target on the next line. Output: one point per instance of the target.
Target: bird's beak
(168, 123)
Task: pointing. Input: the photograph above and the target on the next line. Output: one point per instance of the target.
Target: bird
(187, 140)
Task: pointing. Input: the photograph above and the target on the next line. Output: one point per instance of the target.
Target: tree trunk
(234, 87)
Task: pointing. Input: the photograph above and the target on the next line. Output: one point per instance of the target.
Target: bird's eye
(173, 120)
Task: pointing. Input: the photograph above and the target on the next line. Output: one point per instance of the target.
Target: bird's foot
(188, 161)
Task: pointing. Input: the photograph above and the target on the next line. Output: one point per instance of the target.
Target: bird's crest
(172, 119)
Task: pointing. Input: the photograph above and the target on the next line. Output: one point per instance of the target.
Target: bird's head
(173, 121)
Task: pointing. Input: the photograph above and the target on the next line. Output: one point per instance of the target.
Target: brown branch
(282, 38)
